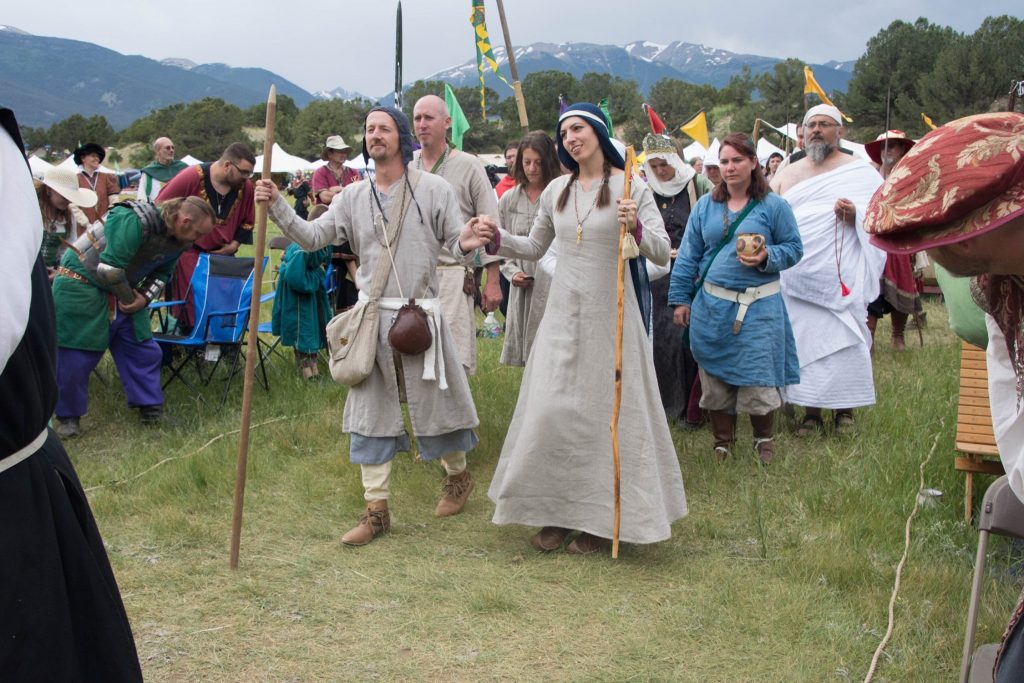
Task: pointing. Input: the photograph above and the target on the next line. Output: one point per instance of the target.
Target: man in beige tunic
(466, 174)
(432, 384)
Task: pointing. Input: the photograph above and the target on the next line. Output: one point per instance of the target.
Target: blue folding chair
(221, 290)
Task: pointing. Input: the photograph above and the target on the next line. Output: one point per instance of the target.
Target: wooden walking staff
(627, 188)
(516, 87)
(254, 322)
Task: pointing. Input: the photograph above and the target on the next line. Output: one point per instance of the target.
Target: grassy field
(778, 574)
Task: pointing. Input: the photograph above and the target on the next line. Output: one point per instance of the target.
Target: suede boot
(899, 324)
(723, 428)
(455, 489)
(375, 521)
(764, 445)
(872, 324)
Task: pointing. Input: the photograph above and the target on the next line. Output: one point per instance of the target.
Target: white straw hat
(64, 181)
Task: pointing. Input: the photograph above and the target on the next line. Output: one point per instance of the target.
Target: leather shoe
(549, 538)
(585, 544)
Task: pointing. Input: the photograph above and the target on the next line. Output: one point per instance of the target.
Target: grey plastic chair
(1001, 513)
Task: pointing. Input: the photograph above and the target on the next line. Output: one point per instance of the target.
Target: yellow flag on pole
(811, 87)
(697, 128)
(928, 121)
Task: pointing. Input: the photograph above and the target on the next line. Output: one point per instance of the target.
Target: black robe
(674, 364)
(61, 615)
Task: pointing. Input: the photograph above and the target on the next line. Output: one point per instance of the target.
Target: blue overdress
(764, 351)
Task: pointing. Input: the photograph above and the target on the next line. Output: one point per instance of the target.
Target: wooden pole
(516, 87)
(254, 322)
(627, 186)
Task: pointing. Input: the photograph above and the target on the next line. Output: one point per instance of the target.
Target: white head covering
(824, 110)
(662, 147)
(711, 156)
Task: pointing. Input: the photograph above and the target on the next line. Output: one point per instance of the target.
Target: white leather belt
(23, 453)
(744, 298)
(433, 357)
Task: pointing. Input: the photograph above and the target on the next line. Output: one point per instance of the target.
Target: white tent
(191, 160)
(70, 163)
(38, 166)
(694, 150)
(711, 156)
(283, 162)
(765, 149)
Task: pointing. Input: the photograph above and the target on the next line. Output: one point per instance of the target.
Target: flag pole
(398, 56)
(621, 303)
(254, 321)
(517, 88)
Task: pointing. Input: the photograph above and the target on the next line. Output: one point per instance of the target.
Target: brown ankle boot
(723, 428)
(376, 520)
(763, 428)
(872, 324)
(899, 324)
(455, 489)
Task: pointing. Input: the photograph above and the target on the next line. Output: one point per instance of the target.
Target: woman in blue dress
(725, 288)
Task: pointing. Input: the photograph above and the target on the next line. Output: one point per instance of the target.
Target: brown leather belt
(68, 273)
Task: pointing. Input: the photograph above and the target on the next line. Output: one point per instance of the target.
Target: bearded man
(432, 384)
(827, 293)
(104, 284)
(226, 186)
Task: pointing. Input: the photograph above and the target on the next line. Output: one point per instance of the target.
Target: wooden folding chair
(974, 436)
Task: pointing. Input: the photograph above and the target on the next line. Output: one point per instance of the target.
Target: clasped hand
(478, 232)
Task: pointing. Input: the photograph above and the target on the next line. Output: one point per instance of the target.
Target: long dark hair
(758, 188)
(541, 143)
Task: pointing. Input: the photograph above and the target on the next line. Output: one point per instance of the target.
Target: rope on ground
(119, 482)
(903, 560)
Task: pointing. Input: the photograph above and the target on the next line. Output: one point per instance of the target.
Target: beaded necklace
(576, 210)
(436, 169)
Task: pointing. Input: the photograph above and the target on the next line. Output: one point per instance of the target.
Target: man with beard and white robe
(827, 293)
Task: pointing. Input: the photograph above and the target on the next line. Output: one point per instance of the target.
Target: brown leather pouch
(469, 284)
(410, 331)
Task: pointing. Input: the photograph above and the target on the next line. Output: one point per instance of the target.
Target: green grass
(779, 574)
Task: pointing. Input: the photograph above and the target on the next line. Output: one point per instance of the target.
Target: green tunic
(301, 306)
(83, 309)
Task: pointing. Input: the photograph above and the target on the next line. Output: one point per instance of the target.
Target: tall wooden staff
(516, 87)
(254, 321)
(627, 187)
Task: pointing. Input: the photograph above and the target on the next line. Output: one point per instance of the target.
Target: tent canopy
(190, 160)
(38, 166)
(283, 162)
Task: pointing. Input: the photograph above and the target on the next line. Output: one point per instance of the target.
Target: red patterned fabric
(959, 180)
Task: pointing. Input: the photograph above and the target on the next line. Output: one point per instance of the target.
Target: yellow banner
(811, 87)
(697, 128)
(928, 121)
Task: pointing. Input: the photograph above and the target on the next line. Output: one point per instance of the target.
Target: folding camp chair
(1001, 513)
(221, 290)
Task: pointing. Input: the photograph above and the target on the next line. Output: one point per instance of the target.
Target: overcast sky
(353, 46)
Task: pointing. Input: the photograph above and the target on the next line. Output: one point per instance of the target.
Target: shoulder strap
(382, 267)
(725, 240)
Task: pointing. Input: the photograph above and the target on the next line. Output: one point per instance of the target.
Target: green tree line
(906, 69)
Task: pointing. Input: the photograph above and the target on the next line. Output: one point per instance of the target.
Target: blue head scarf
(404, 132)
(593, 115)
